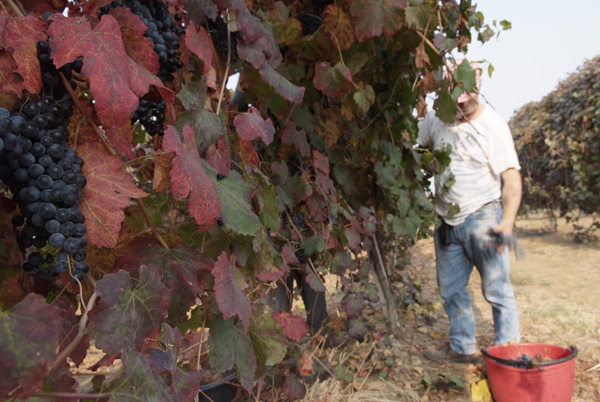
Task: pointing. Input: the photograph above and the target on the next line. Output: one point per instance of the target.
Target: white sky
(549, 39)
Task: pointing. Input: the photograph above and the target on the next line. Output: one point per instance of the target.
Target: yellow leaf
(480, 391)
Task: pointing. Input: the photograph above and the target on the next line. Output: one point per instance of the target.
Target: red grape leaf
(247, 152)
(374, 17)
(141, 380)
(200, 10)
(199, 43)
(188, 178)
(332, 81)
(251, 126)
(353, 305)
(293, 326)
(288, 30)
(28, 344)
(184, 385)
(321, 162)
(339, 27)
(180, 267)
(121, 138)
(229, 345)
(10, 81)
(4, 18)
(60, 380)
(352, 234)
(231, 300)
(282, 85)
(22, 35)
(70, 327)
(288, 253)
(291, 136)
(107, 192)
(138, 47)
(293, 388)
(128, 312)
(251, 53)
(116, 81)
(219, 157)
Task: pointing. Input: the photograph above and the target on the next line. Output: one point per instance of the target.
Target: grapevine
(129, 170)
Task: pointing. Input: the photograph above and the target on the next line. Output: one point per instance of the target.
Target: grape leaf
(60, 380)
(357, 328)
(219, 157)
(268, 339)
(229, 345)
(4, 19)
(183, 385)
(266, 260)
(291, 136)
(141, 381)
(128, 312)
(267, 200)
(107, 192)
(282, 85)
(180, 267)
(199, 43)
(250, 28)
(293, 326)
(287, 30)
(293, 388)
(200, 10)
(236, 208)
(315, 282)
(339, 27)
(112, 73)
(7, 234)
(10, 81)
(138, 47)
(120, 138)
(374, 17)
(353, 305)
(28, 344)
(22, 35)
(332, 81)
(365, 98)
(188, 178)
(251, 126)
(247, 152)
(445, 107)
(231, 300)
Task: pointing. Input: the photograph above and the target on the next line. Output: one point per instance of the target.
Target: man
(479, 208)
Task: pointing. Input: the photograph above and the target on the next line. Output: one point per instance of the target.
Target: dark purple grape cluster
(164, 30)
(294, 164)
(311, 21)
(218, 33)
(44, 176)
(151, 115)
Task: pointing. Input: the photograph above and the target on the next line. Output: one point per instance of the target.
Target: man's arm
(512, 190)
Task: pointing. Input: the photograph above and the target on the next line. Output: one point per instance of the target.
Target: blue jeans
(468, 246)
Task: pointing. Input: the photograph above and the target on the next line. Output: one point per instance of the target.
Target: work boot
(447, 355)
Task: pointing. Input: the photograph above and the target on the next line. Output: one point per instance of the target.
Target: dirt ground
(557, 286)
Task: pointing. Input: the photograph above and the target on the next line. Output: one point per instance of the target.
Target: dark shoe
(447, 355)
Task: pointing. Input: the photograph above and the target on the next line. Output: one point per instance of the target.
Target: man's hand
(512, 189)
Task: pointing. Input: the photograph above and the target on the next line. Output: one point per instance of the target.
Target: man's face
(469, 106)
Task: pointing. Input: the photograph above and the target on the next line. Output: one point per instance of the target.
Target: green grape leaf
(182, 269)
(28, 345)
(357, 328)
(231, 300)
(365, 98)
(268, 339)
(230, 345)
(465, 74)
(375, 17)
(141, 380)
(282, 85)
(188, 178)
(128, 312)
(332, 81)
(267, 200)
(445, 107)
(236, 208)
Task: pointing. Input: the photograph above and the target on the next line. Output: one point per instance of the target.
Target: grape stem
(80, 334)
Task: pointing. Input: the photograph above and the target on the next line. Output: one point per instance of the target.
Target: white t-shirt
(481, 150)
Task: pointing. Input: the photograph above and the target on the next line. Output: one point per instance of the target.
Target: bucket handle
(511, 362)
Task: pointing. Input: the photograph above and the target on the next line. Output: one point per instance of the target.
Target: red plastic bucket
(552, 381)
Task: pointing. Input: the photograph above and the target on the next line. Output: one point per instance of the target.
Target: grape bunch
(311, 21)
(44, 176)
(218, 33)
(151, 115)
(164, 30)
